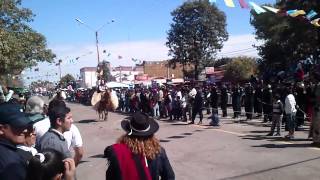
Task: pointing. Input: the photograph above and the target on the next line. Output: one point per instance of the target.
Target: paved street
(234, 151)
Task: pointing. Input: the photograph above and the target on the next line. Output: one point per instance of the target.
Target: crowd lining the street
(36, 140)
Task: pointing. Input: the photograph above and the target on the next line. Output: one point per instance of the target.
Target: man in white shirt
(290, 110)
(73, 136)
(74, 141)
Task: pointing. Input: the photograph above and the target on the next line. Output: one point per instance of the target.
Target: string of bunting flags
(74, 60)
(310, 16)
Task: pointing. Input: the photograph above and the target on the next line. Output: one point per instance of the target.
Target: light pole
(96, 34)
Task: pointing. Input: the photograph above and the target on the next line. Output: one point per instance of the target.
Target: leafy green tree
(44, 84)
(240, 69)
(287, 39)
(222, 61)
(66, 80)
(106, 75)
(20, 46)
(196, 34)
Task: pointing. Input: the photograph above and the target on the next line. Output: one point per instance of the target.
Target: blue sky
(139, 31)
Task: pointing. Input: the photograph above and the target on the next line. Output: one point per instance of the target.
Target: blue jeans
(291, 118)
(156, 112)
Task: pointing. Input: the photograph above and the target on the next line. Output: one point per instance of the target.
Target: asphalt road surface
(233, 151)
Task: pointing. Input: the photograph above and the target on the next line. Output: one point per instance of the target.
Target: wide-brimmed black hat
(140, 124)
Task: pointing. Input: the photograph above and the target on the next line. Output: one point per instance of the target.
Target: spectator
(13, 126)
(138, 154)
(73, 137)
(74, 141)
(60, 122)
(277, 111)
(290, 111)
(50, 165)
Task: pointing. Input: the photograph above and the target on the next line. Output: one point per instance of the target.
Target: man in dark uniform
(236, 101)
(214, 99)
(267, 103)
(197, 106)
(248, 101)
(13, 126)
(258, 100)
(224, 100)
(207, 99)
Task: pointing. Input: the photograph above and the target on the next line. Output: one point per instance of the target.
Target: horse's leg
(100, 115)
(106, 115)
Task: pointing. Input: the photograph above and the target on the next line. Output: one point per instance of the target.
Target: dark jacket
(198, 101)
(159, 167)
(12, 166)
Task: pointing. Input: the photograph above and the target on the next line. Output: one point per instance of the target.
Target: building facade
(161, 69)
(126, 74)
(88, 77)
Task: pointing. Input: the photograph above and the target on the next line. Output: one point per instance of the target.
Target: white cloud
(149, 50)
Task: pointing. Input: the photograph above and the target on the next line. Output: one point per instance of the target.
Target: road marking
(230, 132)
(284, 142)
(214, 129)
(240, 134)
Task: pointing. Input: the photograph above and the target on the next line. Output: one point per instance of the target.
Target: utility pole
(97, 45)
(120, 74)
(60, 61)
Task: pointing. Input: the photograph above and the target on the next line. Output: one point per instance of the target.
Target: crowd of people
(36, 143)
(36, 140)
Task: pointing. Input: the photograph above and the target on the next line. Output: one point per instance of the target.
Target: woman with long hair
(137, 155)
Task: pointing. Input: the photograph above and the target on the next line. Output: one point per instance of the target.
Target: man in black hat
(13, 126)
(137, 154)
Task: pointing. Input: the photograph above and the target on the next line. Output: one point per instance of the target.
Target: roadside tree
(66, 80)
(20, 45)
(286, 39)
(240, 69)
(196, 34)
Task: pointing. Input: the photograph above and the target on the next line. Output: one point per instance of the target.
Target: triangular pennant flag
(271, 9)
(316, 22)
(229, 3)
(243, 4)
(289, 12)
(311, 14)
(257, 8)
(119, 57)
(109, 54)
(297, 13)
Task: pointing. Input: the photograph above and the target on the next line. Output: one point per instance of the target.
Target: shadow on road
(284, 145)
(198, 130)
(176, 137)
(97, 156)
(270, 169)
(81, 162)
(179, 124)
(187, 134)
(87, 121)
(164, 140)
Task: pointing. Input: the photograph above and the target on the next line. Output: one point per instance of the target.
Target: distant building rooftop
(128, 68)
(88, 69)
